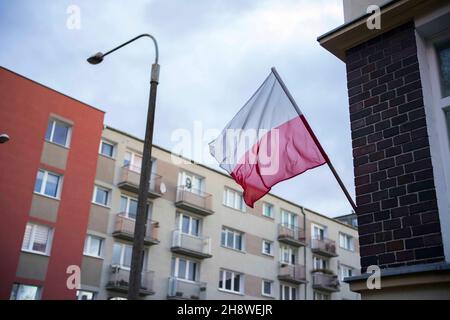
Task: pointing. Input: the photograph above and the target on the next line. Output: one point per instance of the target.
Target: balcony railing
(326, 282)
(291, 235)
(118, 280)
(197, 247)
(124, 229)
(295, 274)
(324, 247)
(130, 178)
(186, 290)
(194, 200)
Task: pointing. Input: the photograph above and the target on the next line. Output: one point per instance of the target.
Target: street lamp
(141, 215)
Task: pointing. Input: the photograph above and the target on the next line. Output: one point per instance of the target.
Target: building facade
(78, 200)
(398, 78)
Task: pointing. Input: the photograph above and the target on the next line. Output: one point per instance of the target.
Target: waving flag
(268, 141)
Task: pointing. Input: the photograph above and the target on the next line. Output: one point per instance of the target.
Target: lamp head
(4, 138)
(96, 59)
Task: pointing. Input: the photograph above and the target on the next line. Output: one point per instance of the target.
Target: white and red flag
(268, 141)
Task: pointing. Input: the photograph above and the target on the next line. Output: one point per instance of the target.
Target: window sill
(231, 292)
(267, 296)
(91, 256)
(348, 250)
(107, 157)
(267, 255)
(46, 196)
(101, 205)
(59, 145)
(234, 209)
(35, 252)
(235, 250)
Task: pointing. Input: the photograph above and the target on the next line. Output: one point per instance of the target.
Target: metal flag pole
(322, 151)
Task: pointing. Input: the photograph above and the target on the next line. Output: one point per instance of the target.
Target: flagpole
(322, 151)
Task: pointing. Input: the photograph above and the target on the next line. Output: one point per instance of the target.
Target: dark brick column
(397, 209)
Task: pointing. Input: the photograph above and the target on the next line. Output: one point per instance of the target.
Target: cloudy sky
(213, 54)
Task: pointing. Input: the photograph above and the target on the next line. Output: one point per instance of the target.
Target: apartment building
(201, 241)
(398, 78)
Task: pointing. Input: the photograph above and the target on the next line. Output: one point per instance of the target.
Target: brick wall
(395, 194)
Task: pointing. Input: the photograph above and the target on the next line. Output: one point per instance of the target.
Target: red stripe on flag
(267, 163)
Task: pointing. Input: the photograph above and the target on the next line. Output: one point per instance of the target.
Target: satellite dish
(4, 138)
(162, 188)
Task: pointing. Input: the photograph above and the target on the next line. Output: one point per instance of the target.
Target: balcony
(124, 229)
(185, 290)
(118, 281)
(130, 177)
(324, 247)
(295, 274)
(196, 247)
(291, 235)
(195, 201)
(325, 282)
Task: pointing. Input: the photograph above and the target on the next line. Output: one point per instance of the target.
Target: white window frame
(122, 254)
(132, 165)
(315, 227)
(289, 219)
(271, 247)
(191, 219)
(271, 288)
(235, 234)
(81, 293)
(32, 238)
(44, 184)
(267, 205)
(238, 199)
(197, 182)
(87, 244)
(233, 275)
(321, 296)
(290, 251)
(320, 263)
(112, 144)
(345, 272)
(291, 290)
(52, 133)
(16, 287)
(189, 264)
(108, 197)
(346, 242)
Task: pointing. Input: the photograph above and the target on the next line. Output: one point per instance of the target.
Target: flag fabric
(268, 141)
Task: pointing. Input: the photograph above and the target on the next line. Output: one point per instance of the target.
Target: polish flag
(268, 141)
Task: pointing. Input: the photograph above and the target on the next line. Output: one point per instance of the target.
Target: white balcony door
(189, 225)
(289, 219)
(288, 255)
(128, 207)
(318, 232)
(192, 182)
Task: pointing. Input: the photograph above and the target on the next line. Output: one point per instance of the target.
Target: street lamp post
(141, 215)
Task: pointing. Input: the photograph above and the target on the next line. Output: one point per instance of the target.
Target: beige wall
(251, 263)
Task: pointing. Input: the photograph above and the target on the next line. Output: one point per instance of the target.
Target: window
(267, 247)
(184, 269)
(346, 272)
(443, 53)
(37, 238)
(58, 132)
(321, 296)
(267, 288)
(122, 255)
(231, 281)
(232, 239)
(189, 225)
(101, 196)
(48, 184)
(191, 182)
(318, 232)
(93, 246)
(25, 292)
(288, 255)
(233, 199)
(128, 207)
(267, 210)
(107, 148)
(346, 242)
(289, 219)
(288, 292)
(133, 161)
(85, 295)
(320, 263)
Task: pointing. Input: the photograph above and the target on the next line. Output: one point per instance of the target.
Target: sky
(214, 54)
